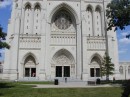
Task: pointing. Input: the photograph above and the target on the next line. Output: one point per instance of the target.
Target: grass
(12, 89)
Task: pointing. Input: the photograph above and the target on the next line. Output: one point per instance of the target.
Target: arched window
(27, 19)
(98, 22)
(37, 19)
(30, 67)
(89, 21)
(129, 70)
(37, 7)
(28, 7)
(1, 69)
(121, 69)
(63, 20)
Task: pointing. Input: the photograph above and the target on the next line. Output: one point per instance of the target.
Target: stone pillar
(79, 52)
(32, 21)
(47, 51)
(84, 49)
(93, 24)
(22, 21)
(42, 69)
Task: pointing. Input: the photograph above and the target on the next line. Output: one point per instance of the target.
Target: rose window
(63, 20)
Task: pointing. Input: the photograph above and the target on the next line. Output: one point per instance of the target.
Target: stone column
(84, 49)
(79, 52)
(47, 50)
(32, 22)
(23, 20)
(93, 22)
(43, 45)
(102, 23)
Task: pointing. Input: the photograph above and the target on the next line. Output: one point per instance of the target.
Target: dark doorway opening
(66, 71)
(33, 72)
(27, 72)
(58, 71)
(30, 72)
(95, 72)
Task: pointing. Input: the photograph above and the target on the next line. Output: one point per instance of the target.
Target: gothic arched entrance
(30, 67)
(95, 66)
(63, 64)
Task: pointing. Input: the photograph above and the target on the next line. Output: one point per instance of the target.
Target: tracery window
(37, 7)
(90, 21)
(27, 19)
(121, 69)
(63, 20)
(129, 70)
(28, 7)
(1, 69)
(37, 18)
(99, 24)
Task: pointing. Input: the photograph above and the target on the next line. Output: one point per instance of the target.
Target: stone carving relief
(30, 61)
(62, 60)
(30, 42)
(96, 43)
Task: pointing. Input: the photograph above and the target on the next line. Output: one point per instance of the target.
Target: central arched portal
(64, 35)
(63, 64)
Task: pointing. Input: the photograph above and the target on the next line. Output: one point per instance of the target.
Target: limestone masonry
(59, 38)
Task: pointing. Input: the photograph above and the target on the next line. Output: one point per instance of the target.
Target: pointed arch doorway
(30, 67)
(95, 66)
(63, 64)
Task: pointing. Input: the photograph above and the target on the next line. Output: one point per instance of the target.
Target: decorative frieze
(63, 39)
(96, 1)
(30, 41)
(96, 43)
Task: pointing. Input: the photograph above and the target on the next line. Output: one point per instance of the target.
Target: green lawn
(19, 90)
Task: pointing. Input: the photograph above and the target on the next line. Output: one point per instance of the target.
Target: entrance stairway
(29, 79)
(60, 79)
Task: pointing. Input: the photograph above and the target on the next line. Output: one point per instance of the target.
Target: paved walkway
(74, 85)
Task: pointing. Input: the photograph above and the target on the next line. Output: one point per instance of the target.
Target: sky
(123, 42)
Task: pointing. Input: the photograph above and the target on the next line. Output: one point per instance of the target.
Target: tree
(107, 67)
(2, 38)
(118, 14)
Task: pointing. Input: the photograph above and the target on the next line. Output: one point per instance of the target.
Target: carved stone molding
(62, 60)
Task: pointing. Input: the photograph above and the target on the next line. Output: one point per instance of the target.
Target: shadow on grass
(5, 85)
(126, 88)
(1, 94)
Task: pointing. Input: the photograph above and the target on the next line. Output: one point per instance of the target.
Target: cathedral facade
(58, 38)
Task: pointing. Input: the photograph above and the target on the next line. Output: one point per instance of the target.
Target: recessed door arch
(63, 63)
(30, 66)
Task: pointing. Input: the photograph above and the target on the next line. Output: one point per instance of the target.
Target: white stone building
(58, 38)
(124, 70)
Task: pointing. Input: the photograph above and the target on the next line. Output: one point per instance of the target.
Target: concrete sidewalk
(74, 85)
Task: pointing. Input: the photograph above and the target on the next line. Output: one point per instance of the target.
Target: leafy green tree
(107, 67)
(2, 38)
(118, 14)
